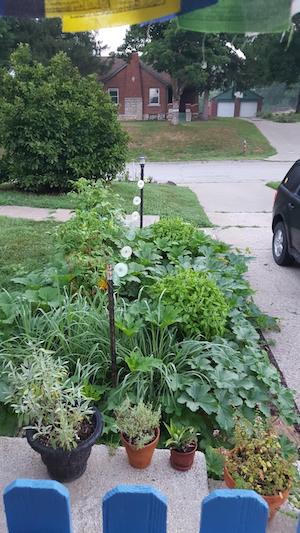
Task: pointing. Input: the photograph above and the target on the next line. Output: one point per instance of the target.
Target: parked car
(286, 219)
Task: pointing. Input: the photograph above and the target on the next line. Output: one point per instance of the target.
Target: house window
(114, 94)
(154, 96)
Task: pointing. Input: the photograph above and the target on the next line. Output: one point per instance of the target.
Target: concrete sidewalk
(106, 469)
(40, 214)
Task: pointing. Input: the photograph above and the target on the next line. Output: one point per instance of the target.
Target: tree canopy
(45, 38)
(56, 125)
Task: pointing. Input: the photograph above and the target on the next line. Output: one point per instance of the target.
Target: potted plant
(257, 462)
(61, 425)
(139, 428)
(183, 445)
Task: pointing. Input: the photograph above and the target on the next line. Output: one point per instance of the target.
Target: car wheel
(280, 246)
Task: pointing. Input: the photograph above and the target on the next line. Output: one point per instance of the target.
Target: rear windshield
(292, 179)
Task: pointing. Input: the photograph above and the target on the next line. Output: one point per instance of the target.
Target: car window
(292, 179)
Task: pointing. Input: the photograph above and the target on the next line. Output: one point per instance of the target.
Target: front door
(294, 211)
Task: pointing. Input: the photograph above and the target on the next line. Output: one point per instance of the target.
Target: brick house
(141, 92)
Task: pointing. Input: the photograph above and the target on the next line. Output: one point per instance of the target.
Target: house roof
(228, 96)
(119, 64)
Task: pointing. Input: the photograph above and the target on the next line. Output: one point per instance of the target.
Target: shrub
(56, 125)
(43, 397)
(138, 422)
(176, 231)
(198, 301)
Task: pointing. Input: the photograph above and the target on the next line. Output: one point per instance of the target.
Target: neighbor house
(236, 104)
(141, 92)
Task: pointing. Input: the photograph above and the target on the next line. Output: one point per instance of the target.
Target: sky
(112, 37)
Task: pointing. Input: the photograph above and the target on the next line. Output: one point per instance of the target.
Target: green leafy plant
(56, 125)
(45, 399)
(182, 439)
(138, 422)
(197, 299)
(257, 461)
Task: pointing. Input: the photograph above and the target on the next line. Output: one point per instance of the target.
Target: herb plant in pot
(257, 462)
(139, 427)
(61, 425)
(183, 445)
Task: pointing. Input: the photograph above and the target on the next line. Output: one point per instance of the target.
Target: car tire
(280, 246)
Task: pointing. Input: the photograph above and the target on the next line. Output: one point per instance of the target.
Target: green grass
(24, 245)
(282, 117)
(273, 184)
(164, 200)
(159, 200)
(220, 138)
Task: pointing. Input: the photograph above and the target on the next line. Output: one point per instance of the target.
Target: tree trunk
(206, 102)
(298, 103)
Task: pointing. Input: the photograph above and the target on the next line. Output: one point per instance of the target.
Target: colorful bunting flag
(119, 12)
(240, 16)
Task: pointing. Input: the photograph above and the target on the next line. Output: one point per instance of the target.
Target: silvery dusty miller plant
(138, 422)
(45, 399)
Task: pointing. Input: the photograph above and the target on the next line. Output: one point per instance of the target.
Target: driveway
(284, 137)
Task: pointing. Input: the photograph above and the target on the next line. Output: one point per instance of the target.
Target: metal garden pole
(112, 333)
(142, 164)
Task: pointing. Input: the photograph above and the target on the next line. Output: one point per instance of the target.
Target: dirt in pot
(84, 431)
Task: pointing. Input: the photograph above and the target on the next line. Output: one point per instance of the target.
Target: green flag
(240, 16)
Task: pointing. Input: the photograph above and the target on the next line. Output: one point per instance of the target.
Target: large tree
(274, 58)
(45, 38)
(56, 125)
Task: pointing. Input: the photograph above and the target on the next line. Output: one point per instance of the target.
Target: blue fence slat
(234, 511)
(37, 506)
(298, 528)
(134, 509)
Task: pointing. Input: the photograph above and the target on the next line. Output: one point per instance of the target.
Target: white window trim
(117, 91)
(158, 103)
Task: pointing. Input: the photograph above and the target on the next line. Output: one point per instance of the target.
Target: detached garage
(236, 104)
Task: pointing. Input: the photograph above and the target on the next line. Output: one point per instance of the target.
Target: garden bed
(187, 330)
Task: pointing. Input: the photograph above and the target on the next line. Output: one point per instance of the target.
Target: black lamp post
(142, 165)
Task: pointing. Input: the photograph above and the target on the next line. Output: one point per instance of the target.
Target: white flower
(131, 235)
(141, 184)
(135, 215)
(136, 200)
(126, 252)
(121, 269)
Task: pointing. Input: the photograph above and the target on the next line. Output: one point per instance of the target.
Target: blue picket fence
(43, 506)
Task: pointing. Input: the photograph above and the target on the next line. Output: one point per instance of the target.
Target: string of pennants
(211, 16)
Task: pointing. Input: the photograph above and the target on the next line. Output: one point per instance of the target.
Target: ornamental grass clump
(199, 302)
(138, 423)
(257, 461)
(45, 399)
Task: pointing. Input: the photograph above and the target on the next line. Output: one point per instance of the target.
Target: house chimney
(133, 77)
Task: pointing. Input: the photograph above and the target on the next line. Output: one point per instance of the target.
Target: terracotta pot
(182, 460)
(140, 458)
(274, 502)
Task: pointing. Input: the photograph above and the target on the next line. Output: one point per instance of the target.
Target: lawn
(220, 138)
(273, 184)
(24, 246)
(159, 200)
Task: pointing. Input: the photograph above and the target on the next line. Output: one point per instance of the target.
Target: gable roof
(119, 64)
(228, 96)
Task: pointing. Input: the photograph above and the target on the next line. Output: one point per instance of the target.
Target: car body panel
(287, 209)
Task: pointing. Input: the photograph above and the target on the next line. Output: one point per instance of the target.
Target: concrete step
(106, 469)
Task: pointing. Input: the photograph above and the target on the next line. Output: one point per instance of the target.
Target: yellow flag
(118, 13)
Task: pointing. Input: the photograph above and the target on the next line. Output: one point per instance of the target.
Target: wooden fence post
(134, 509)
(234, 511)
(37, 506)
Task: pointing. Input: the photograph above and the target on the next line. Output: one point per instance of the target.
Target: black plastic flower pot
(63, 465)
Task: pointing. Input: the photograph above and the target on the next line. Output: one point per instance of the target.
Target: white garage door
(226, 109)
(248, 109)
